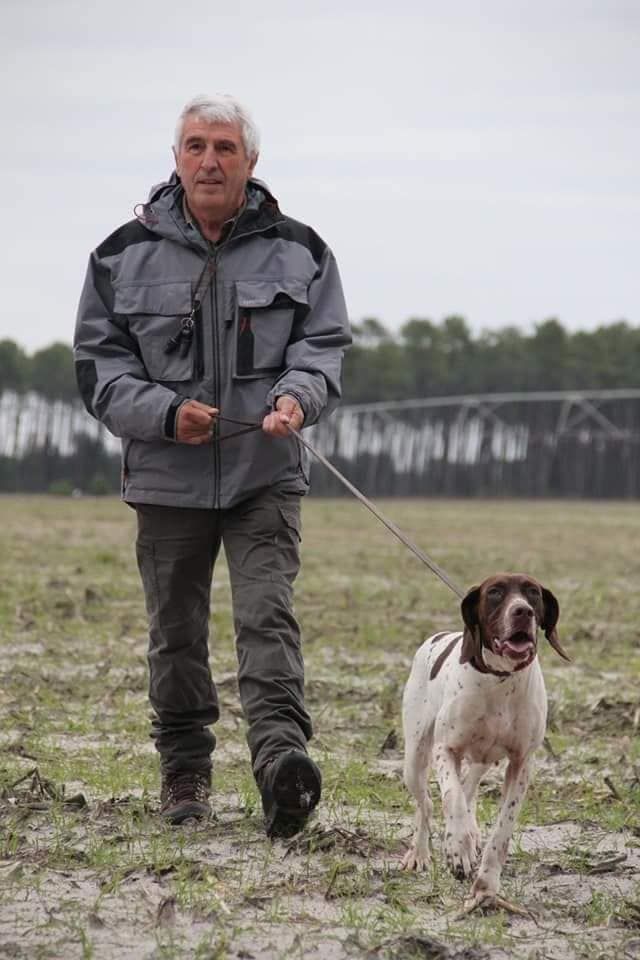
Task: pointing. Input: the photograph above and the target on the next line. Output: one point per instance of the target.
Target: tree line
(423, 359)
(47, 442)
(428, 359)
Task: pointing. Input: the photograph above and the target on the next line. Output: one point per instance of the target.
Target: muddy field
(88, 871)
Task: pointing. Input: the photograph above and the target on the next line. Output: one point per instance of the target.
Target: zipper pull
(173, 343)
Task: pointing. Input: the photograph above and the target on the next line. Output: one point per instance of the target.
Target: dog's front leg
(470, 782)
(487, 883)
(416, 777)
(460, 830)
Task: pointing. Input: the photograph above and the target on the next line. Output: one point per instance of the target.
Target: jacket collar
(164, 212)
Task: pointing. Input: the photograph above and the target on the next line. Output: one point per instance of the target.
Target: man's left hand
(288, 413)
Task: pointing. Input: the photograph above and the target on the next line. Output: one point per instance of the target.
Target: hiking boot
(290, 787)
(185, 795)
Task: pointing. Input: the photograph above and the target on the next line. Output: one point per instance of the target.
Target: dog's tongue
(517, 647)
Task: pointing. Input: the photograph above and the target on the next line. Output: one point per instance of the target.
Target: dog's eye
(495, 593)
(532, 591)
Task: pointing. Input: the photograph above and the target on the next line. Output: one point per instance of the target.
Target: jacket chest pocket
(265, 311)
(154, 313)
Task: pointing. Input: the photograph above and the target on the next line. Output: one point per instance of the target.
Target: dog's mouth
(519, 646)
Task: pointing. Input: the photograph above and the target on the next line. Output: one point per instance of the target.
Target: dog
(478, 696)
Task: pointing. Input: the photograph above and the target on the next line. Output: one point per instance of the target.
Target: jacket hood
(163, 214)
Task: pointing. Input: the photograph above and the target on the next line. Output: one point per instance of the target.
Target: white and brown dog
(478, 696)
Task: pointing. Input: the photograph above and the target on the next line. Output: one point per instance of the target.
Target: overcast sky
(478, 157)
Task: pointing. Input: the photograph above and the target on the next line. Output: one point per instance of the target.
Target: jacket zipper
(215, 339)
(213, 293)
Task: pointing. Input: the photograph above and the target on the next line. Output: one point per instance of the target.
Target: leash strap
(389, 524)
(247, 427)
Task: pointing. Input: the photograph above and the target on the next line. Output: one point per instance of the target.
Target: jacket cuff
(171, 417)
(296, 396)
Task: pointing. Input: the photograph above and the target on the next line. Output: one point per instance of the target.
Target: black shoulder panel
(130, 233)
(86, 377)
(290, 229)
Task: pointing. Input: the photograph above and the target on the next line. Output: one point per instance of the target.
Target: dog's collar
(479, 664)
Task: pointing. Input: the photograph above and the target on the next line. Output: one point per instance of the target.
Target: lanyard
(184, 336)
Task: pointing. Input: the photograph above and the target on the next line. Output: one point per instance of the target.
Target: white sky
(465, 157)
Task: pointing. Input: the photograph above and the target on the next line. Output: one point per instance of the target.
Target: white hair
(221, 108)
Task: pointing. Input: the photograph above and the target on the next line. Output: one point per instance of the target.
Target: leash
(389, 524)
(249, 426)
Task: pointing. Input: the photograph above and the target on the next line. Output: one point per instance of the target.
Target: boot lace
(186, 785)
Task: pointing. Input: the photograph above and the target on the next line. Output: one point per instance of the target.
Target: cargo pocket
(290, 513)
(265, 311)
(154, 313)
(286, 560)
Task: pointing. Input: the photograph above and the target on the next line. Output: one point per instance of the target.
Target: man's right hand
(195, 422)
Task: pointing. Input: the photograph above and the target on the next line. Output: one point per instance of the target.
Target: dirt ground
(88, 871)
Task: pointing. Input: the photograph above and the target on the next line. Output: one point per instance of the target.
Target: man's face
(213, 167)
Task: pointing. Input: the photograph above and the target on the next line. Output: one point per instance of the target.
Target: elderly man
(213, 309)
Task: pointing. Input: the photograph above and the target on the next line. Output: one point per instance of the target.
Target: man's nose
(210, 158)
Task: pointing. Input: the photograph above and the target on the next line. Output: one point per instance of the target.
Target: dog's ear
(471, 639)
(549, 621)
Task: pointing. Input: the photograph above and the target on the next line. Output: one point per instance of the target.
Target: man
(212, 309)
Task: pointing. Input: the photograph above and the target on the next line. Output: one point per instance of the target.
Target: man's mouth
(518, 646)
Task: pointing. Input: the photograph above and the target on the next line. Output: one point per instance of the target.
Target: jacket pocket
(265, 311)
(154, 312)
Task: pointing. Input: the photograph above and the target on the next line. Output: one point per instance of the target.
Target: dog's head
(503, 616)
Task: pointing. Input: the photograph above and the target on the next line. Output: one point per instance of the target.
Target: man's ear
(471, 639)
(252, 164)
(549, 621)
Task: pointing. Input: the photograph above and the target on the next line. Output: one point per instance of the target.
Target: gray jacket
(273, 320)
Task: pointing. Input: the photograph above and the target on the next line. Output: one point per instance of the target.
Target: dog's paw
(461, 852)
(485, 887)
(475, 840)
(415, 859)
(484, 897)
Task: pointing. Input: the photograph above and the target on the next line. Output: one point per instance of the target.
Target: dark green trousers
(177, 548)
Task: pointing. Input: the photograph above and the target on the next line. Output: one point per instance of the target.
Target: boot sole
(296, 791)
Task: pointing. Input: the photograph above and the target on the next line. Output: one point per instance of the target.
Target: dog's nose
(523, 611)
